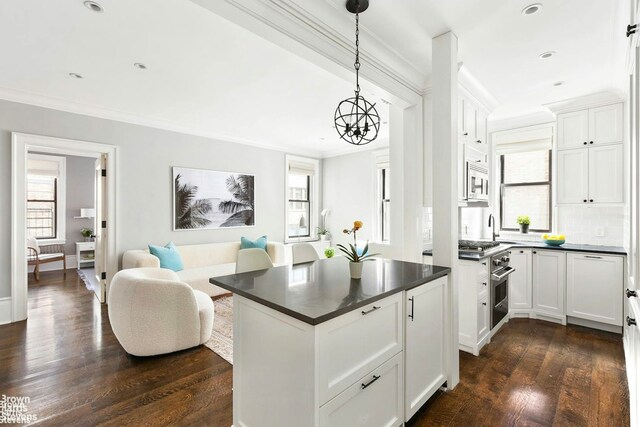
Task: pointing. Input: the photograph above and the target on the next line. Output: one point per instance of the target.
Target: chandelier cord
(356, 65)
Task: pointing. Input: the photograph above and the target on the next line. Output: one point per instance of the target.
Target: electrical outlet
(599, 231)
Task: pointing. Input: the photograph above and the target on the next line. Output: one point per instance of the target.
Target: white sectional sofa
(201, 262)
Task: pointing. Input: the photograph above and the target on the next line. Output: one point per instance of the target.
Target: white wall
(580, 225)
(349, 191)
(145, 189)
(80, 182)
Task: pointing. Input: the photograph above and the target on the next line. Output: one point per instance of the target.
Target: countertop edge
(326, 317)
(598, 250)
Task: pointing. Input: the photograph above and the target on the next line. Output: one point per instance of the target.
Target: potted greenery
(323, 233)
(524, 221)
(355, 257)
(329, 252)
(87, 233)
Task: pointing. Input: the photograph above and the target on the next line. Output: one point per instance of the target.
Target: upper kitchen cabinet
(589, 127)
(472, 123)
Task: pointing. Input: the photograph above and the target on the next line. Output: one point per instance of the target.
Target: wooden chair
(37, 255)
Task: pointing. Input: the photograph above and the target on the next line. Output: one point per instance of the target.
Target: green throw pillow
(168, 255)
(260, 243)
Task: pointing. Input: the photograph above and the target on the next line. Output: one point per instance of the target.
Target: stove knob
(496, 262)
(505, 258)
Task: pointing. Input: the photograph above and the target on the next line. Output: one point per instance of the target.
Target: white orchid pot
(356, 269)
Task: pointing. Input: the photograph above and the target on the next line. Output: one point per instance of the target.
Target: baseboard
(5, 310)
(57, 266)
(549, 318)
(594, 325)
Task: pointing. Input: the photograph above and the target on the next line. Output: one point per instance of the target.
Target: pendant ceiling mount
(356, 119)
(357, 6)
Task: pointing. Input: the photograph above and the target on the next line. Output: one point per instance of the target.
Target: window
(385, 204)
(45, 197)
(525, 189)
(383, 195)
(302, 193)
(41, 206)
(299, 205)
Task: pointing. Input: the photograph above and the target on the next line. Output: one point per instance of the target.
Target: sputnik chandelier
(356, 119)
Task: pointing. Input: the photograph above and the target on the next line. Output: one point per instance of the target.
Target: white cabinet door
(520, 291)
(483, 316)
(549, 282)
(573, 129)
(606, 174)
(595, 287)
(373, 400)
(605, 124)
(572, 184)
(424, 343)
(468, 120)
(380, 322)
(480, 140)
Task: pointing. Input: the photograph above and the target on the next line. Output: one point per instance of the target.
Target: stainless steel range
(499, 295)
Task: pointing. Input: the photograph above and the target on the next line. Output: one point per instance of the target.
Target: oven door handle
(505, 272)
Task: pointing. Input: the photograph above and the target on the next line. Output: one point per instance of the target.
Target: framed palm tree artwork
(205, 199)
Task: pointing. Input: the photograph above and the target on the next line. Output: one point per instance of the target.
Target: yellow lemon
(562, 237)
(545, 236)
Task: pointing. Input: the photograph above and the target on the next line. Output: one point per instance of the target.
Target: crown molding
(584, 102)
(59, 104)
(323, 34)
(523, 121)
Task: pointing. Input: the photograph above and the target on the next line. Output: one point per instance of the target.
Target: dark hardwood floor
(67, 360)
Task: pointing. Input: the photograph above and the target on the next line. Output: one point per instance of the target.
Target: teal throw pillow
(260, 243)
(168, 255)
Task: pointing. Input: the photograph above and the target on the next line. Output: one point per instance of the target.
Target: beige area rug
(221, 341)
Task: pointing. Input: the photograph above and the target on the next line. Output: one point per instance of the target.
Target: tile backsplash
(591, 225)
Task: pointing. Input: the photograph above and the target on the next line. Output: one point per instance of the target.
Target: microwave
(477, 181)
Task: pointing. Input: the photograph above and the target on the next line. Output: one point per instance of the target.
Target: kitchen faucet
(492, 223)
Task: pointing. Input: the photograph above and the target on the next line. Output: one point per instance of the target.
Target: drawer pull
(484, 283)
(375, 378)
(593, 257)
(484, 303)
(364, 313)
(631, 293)
(411, 315)
(631, 321)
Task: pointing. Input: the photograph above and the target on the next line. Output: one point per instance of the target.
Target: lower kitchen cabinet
(375, 399)
(631, 341)
(473, 301)
(549, 273)
(595, 287)
(520, 281)
(424, 341)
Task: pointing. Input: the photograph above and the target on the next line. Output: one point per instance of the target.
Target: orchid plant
(352, 251)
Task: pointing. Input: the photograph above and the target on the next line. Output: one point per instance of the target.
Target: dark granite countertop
(317, 291)
(567, 247)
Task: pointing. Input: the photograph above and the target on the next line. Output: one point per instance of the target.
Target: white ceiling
(210, 77)
(205, 75)
(500, 46)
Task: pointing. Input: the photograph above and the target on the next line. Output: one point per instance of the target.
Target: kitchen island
(313, 347)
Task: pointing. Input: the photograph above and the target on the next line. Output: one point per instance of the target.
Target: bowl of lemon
(553, 239)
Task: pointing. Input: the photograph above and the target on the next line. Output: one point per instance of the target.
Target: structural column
(445, 178)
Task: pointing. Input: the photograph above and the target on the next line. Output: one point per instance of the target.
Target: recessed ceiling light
(140, 66)
(531, 9)
(93, 6)
(547, 55)
(75, 75)
(558, 83)
(321, 139)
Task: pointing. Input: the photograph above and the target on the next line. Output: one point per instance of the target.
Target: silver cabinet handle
(364, 313)
(593, 257)
(411, 315)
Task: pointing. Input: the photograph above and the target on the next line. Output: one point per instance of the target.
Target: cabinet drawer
(483, 285)
(374, 400)
(355, 343)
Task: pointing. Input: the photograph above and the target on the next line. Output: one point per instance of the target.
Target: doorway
(103, 221)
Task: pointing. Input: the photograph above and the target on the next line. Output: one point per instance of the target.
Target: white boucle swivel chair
(152, 312)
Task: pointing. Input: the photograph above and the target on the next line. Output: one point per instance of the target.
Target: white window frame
(314, 197)
(381, 161)
(61, 196)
